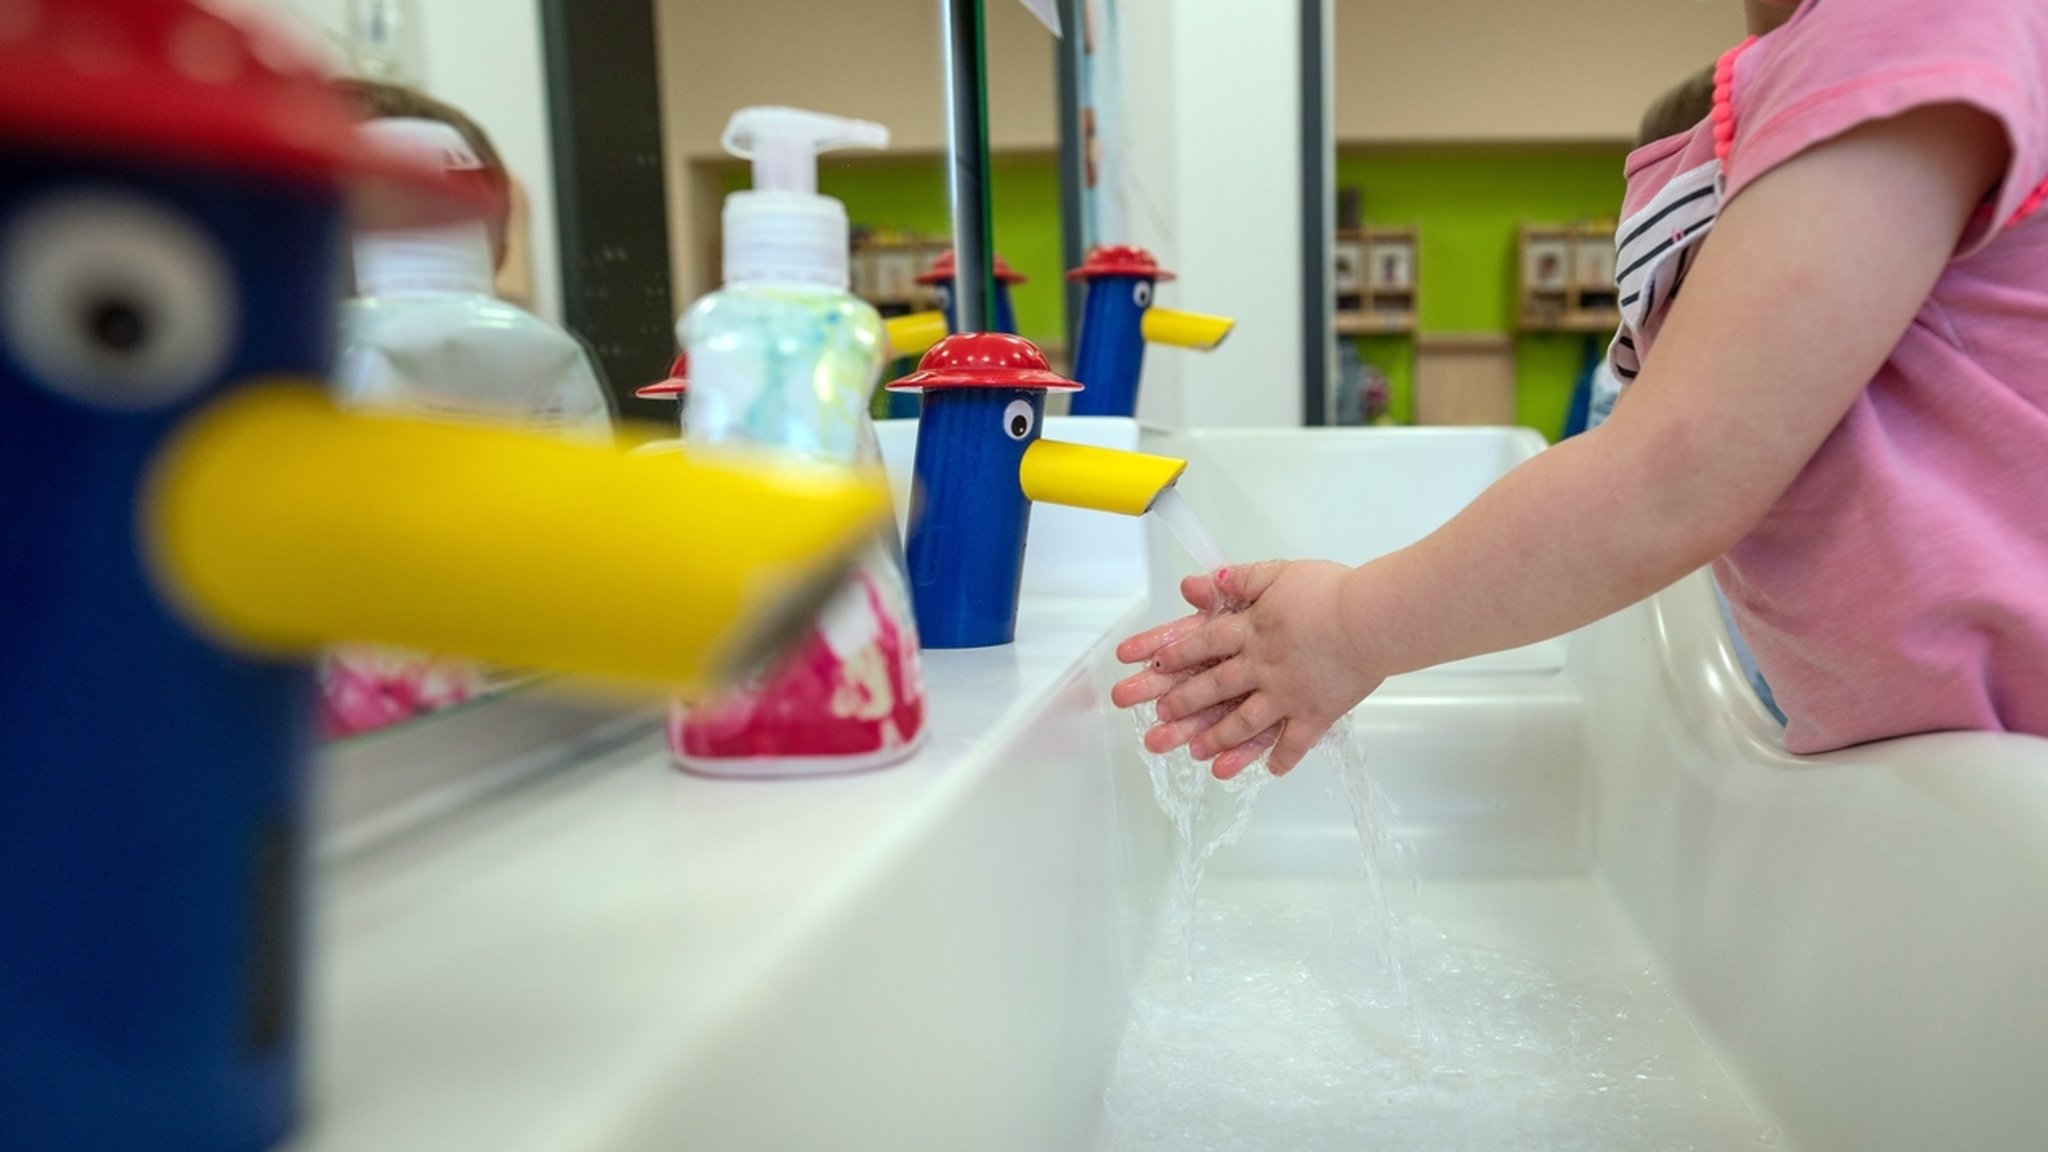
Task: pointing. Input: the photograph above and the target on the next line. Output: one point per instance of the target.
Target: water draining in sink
(1302, 1013)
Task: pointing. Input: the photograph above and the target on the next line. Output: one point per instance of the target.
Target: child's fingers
(1141, 648)
(1148, 684)
(1164, 738)
(1258, 713)
(1244, 755)
(1247, 582)
(1226, 681)
(1199, 591)
(1297, 740)
(1218, 639)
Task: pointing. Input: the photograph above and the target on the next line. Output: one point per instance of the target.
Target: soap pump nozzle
(783, 230)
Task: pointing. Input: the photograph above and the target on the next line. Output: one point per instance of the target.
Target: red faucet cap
(674, 387)
(942, 271)
(983, 360)
(177, 81)
(1120, 260)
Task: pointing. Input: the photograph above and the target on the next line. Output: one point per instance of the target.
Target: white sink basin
(613, 956)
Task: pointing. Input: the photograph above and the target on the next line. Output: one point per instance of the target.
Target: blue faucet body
(152, 792)
(1110, 356)
(969, 517)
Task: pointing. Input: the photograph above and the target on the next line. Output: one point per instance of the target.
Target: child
(1835, 338)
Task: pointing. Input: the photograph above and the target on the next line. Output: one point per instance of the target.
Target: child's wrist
(1361, 614)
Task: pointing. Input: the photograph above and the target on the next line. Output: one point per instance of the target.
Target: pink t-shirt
(1901, 583)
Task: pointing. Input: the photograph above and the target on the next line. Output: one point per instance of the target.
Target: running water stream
(1209, 815)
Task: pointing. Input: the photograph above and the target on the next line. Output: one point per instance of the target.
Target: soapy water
(1307, 1014)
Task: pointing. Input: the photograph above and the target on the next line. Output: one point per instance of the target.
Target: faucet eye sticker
(113, 300)
(1141, 294)
(1017, 419)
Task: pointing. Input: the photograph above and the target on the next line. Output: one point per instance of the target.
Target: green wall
(909, 193)
(1467, 201)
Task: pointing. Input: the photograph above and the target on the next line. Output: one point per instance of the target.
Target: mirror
(461, 322)
(1477, 178)
(605, 122)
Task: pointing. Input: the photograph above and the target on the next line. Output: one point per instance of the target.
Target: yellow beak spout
(1105, 479)
(278, 523)
(914, 334)
(1184, 329)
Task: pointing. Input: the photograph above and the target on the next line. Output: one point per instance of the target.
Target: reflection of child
(380, 101)
(449, 350)
(1834, 318)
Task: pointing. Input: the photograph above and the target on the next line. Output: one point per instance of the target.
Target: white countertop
(517, 973)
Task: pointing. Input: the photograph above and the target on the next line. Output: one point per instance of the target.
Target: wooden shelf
(884, 267)
(1601, 321)
(1374, 323)
(1564, 278)
(1376, 280)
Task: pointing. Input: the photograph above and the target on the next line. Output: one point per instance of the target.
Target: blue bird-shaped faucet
(1119, 319)
(980, 464)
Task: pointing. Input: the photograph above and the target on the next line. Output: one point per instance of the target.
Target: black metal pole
(1317, 301)
(1067, 54)
(967, 153)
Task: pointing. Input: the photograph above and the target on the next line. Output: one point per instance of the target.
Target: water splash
(1207, 814)
(1372, 815)
(1283, 1040)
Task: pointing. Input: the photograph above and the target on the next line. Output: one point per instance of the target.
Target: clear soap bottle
(783, 357)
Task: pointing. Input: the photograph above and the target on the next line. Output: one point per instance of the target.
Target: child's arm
(1799, 294)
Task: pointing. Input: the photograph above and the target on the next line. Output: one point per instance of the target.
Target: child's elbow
(1697, 498)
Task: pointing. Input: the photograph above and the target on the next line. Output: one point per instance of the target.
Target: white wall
(484, 57)
(1212, 112)
(1435, 70)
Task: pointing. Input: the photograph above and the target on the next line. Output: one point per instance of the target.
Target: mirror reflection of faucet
(1117, 322)
(980, 464)
(940, 277)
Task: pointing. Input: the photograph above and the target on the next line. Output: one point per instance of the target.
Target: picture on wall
(894, 273)
(1393, 267)
(1349, 274)
(1547, 264)
(1596, 264)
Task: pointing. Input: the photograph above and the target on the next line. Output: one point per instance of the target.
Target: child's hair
(376, 100)
(1680, 109)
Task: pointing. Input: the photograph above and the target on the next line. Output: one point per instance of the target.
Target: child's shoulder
(1839, 64)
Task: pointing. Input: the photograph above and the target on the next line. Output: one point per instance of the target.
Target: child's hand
(1276, 674)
